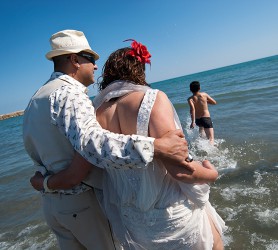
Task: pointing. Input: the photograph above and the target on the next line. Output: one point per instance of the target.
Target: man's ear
(74, 60)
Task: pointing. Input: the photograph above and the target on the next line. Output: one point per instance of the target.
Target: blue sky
(183, 36)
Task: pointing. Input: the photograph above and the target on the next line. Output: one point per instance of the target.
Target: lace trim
(145, 112)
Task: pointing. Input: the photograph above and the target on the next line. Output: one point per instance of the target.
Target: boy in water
(200, 115)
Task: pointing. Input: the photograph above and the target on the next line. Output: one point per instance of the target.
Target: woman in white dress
(158, 207)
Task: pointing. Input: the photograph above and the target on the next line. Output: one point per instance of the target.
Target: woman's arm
(161, 121)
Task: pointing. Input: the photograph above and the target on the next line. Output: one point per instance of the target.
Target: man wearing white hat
(60, 121)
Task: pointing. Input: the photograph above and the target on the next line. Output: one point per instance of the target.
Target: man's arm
(72, 112)
(80, 168)
(67, 178)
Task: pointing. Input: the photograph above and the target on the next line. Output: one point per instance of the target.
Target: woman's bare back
(120, 115)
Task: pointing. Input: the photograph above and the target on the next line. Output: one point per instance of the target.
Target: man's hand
(37, 181)
(192, 125)
(172, 148)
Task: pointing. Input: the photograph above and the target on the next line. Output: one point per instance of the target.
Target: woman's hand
(204, 172)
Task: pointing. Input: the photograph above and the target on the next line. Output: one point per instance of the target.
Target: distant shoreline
(10, 115)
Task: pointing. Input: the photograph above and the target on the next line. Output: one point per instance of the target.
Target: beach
(246, 137)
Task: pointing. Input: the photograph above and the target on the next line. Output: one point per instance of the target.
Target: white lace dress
(147, 208)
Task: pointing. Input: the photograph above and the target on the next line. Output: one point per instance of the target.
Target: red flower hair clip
(139, 51)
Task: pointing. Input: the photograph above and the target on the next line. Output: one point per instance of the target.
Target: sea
(245, 153)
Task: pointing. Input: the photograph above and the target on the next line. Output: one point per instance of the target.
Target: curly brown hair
(122, 66)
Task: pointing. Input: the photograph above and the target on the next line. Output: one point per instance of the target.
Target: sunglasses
(88, 57)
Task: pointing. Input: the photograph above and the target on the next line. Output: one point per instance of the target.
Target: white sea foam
(258, 177)
(268, 217)
(201, 149)
(221, 158)
(231, 193)
(272, 245)
(26, 231)
(31, 243)
(227, 238)
(255, 238)
(28, 238)
(230, 213)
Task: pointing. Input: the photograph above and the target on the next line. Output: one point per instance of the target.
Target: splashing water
(201, 149)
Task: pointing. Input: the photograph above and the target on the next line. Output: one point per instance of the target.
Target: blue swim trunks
(204, 122)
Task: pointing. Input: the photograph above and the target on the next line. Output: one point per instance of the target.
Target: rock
(10, 115)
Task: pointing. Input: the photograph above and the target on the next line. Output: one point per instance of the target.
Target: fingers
(190, 166)
(177, 132)
(208, 165)
(172, 147)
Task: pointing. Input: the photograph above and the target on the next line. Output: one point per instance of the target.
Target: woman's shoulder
(161, 97)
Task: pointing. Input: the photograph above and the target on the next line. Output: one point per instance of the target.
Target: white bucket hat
(68, 42)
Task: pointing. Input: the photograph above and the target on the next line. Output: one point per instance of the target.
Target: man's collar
(70, 80)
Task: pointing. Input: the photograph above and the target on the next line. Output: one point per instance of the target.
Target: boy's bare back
(200, 102)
